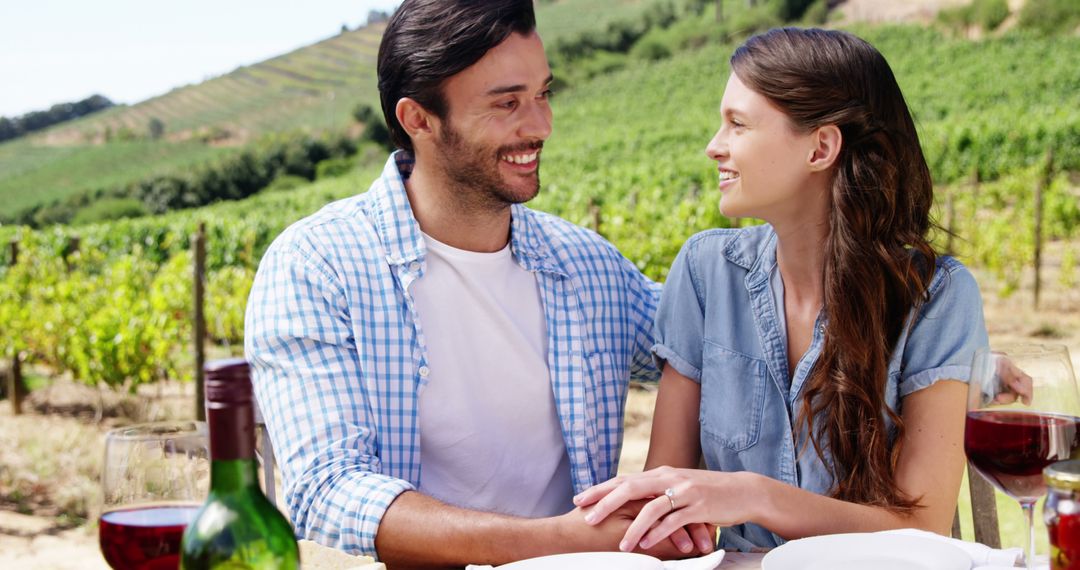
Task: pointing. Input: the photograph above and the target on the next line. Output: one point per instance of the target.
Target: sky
(55, 51)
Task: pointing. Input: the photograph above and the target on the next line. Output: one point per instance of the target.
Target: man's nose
(537, 125)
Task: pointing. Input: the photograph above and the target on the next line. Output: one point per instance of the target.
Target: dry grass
(50, 457)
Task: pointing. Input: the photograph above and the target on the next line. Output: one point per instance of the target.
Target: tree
(156, 128)
(377, 16)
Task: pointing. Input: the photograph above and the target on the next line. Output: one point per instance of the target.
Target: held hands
(696, 497)
(605, 533)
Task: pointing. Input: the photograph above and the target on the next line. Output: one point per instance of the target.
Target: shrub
(1050, 16)
(286, 182)
(651, 49)
(110, 209)
(986, 14)
(334, 168)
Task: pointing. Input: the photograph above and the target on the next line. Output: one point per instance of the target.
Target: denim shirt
(720, 324)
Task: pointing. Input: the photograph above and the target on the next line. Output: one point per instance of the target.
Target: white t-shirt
(490, 439)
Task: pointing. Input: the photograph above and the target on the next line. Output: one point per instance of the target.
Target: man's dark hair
(428, 41)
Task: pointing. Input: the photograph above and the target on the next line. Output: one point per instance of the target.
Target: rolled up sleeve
(309, 385)
(680, 319)
(950, 327)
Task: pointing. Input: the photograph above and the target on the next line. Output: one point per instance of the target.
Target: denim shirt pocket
(732, 397)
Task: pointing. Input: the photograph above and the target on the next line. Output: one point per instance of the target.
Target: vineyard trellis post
(16, 388)
(199, 243)
(71, 249)
(596, 214)
(1040, 187)
(950, 213)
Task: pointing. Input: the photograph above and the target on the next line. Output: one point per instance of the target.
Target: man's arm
(644, 299)
(313, 394)
(418, 531)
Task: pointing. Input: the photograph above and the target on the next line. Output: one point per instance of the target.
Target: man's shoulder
(337, 228)
(568, 238)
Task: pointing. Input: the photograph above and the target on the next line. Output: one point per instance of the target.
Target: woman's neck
(800, 255)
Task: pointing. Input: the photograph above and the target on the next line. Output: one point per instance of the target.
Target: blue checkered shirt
(338, 351)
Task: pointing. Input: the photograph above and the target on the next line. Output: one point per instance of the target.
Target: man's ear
(414, 118)
(827, 142)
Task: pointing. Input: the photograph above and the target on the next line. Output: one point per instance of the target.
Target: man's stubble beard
(473, 170)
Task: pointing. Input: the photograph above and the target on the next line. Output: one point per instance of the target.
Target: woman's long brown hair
(878, 262)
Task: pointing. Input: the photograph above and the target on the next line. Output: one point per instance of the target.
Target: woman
(816, 362)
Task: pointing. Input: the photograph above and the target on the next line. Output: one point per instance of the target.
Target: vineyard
(626, 158)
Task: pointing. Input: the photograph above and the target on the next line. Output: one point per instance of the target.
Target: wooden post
(950, 227)
(71, 249)
(200, 320)
(597, 217)
(984, 517)
(975, 189)
(1041, 187)
(16, 388)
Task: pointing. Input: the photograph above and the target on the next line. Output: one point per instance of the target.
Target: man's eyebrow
(502, 90)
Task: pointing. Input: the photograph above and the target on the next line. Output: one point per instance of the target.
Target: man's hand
(693, 540)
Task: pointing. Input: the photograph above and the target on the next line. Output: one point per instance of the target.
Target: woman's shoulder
(952, 277)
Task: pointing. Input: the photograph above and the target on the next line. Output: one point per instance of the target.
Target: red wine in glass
(145, 538)
(1010, 448)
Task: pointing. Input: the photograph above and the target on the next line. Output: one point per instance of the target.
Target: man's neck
(445, 212)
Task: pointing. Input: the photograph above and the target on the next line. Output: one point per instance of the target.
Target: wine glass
(155, 478)
(1023, 410)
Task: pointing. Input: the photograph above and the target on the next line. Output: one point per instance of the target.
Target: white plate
(864, 551)
(588, 561)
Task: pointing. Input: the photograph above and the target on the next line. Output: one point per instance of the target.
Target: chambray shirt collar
(757, 256)
(400, 232)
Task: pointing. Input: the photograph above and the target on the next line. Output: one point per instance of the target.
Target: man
(442, 368)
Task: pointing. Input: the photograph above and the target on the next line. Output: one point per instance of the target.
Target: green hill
(312, 89)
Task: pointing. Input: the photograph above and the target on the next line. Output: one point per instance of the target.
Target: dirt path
(35, 543)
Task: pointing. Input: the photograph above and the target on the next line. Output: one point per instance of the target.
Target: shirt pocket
(732, 397)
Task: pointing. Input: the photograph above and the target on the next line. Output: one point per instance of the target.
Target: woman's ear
(414, 118)
(827, 141)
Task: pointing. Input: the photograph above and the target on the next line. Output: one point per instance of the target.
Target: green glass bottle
(238, 527)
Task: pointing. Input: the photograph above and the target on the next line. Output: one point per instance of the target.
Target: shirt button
(414, 266)
(424, 371)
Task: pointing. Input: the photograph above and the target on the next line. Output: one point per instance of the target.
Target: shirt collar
(753, 249)
(400, 232)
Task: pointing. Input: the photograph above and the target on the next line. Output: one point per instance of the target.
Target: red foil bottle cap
(228, 381)
(230, 410)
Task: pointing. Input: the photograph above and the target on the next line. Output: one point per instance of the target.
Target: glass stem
(1029, 544)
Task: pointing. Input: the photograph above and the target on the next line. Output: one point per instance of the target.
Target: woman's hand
(574, 534)
(698, 496)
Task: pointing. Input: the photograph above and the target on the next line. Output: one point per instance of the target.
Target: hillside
(312, 88)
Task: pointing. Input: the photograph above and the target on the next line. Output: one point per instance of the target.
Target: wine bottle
(237, 527)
